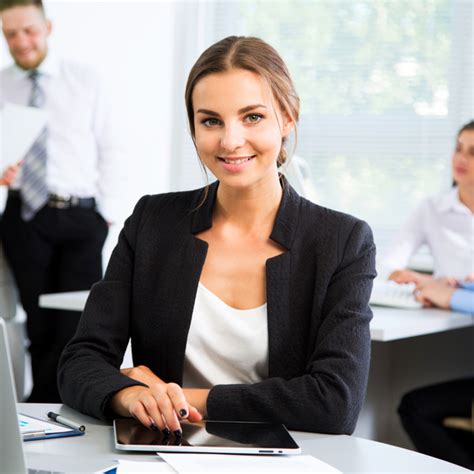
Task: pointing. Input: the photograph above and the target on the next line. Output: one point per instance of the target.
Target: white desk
(347, 453)
(388, 324)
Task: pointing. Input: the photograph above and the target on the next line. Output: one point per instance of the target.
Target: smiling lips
(235, 160)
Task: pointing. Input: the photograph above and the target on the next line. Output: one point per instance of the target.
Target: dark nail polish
(166, 432)
(178, 434)
(183, 413)
(154, 427)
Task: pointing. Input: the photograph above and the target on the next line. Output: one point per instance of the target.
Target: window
(384, 87)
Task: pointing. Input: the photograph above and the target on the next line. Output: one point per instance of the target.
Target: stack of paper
(184, 463)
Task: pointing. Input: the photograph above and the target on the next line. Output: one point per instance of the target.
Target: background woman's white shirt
(225, 345)
(446, 225)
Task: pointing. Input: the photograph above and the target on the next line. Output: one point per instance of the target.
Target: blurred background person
(424, 412)
(61, 194)
(445, 222)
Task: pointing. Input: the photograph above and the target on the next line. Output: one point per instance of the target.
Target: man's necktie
(33, 190)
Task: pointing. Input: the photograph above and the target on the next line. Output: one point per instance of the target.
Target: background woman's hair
(467, 126)
(251, 54)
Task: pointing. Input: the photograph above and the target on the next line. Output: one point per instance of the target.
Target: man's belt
(62, 202)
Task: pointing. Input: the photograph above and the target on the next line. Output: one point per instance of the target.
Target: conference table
(410, 348)
(388, 324)
(346, 453)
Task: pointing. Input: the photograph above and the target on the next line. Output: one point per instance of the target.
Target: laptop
(11, 444)
(12, 456)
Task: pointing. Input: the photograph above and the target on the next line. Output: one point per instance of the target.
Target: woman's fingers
(167, 409)
(159, 407)
(138, 411)
(155, 419)
(176, 395)
(194, 414)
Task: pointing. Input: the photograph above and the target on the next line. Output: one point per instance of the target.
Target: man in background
(62, 193)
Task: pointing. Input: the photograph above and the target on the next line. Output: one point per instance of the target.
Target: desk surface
(388, 324)
(347, 453)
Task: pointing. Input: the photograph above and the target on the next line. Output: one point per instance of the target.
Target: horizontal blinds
(384, 88)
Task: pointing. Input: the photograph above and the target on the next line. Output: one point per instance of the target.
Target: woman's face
(463, 159)
(238, 127)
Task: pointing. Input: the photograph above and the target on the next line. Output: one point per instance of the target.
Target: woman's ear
(288, 125)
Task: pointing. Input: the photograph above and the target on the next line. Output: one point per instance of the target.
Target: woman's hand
(10, 174)
(409, 276)
(436, 293)
(159, 406)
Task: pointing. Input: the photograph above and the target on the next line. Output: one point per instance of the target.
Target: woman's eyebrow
(240, 111)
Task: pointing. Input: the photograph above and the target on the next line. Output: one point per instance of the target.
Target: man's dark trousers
(58, 250)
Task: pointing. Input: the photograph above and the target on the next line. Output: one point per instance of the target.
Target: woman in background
(242, 300)
(444, 222)
(423, 411)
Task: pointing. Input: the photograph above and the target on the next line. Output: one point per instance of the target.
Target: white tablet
(230, 437)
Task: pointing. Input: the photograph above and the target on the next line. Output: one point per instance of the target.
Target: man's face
(26, 31)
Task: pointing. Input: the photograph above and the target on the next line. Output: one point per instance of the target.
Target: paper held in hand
(19, 128)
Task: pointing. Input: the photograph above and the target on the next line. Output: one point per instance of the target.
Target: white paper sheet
(185, 463)
(138, 467)
(30, 425)
(19, 128)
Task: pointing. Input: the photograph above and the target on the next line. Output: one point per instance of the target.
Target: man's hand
(10, 174)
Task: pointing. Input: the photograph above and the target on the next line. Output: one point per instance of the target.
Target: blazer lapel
(278, 282)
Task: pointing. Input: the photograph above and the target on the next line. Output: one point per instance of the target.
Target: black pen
(64, 421)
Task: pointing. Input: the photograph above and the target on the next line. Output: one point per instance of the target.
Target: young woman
(243, 301)
(444, 222)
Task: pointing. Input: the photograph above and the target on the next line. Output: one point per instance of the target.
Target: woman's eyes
(210, 122)
(253, 118)
(214, 122)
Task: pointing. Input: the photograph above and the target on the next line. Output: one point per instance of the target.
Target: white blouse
(225, 345)
(446, 225)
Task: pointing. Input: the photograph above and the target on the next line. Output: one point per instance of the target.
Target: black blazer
(317, 304)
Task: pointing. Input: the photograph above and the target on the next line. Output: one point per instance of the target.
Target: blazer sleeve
(329, 393)
(88, 372)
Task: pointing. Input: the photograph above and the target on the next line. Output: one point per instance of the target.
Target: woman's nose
(232, 137)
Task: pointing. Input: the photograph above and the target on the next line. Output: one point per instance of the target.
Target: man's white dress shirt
(446, 225)
(84, 143)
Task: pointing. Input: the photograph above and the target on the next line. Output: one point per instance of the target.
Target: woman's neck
(250, 209)
(466, 196)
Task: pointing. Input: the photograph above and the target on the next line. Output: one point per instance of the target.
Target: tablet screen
(211, 435)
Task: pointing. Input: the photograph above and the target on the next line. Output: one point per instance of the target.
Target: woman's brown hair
(251, 54)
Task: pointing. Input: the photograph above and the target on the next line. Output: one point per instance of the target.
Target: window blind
(384, 87)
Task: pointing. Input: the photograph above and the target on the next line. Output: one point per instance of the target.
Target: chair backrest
(11, 445)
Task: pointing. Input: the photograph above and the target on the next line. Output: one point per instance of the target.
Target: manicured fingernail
(183, 412)
(154, 427)
(178, 433)
(166, 432)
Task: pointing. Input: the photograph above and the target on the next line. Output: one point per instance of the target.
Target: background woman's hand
(409, 276)
(436, 293)
(159, 406)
